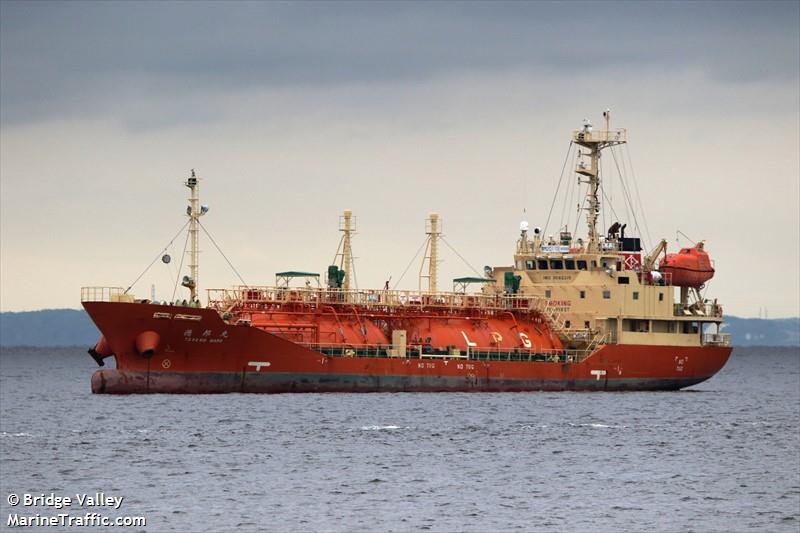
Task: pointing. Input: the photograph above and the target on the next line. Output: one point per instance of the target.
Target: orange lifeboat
(691, 267)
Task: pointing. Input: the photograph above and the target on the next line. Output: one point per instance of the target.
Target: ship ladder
(597, 340)
(556, 322)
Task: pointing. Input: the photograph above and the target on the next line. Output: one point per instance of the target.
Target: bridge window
(623, 280)
(581, 264)
(569, 264)
(542, 264)
(567, 324)
(548, 293)
(529, 265)
(606, 295)
(635, 325)
(635, 295)
(556, 264)
(664, 326)
(583, 294)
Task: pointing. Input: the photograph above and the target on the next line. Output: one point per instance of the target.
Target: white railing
(716, 339)
(581, 135)
(707, 309)
(226, 299)
(474, 353)
(104, 294)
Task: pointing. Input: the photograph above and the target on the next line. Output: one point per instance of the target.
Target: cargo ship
(586, 314)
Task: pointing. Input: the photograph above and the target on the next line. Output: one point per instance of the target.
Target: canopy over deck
(460, 284)
(282, 279)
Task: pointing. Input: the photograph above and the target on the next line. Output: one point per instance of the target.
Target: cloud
(82, 59)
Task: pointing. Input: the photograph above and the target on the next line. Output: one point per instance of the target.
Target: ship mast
(433, 230)
(347, 228)
(595, 141)
(193, 211)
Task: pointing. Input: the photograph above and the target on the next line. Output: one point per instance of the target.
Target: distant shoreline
(50, 328)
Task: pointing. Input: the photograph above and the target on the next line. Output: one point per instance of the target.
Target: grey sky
(391, 109)
(71, 58)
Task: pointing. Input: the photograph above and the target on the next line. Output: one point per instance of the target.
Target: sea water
(720, 456)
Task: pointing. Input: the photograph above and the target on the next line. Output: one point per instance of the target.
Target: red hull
(198, 352)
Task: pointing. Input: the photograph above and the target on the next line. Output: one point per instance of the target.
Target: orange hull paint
(200, 353)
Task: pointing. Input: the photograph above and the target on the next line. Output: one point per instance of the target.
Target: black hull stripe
(115, 382)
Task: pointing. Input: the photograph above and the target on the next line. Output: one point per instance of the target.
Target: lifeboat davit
(691, 267)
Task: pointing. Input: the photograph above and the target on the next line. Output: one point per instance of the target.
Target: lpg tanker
(593, 313)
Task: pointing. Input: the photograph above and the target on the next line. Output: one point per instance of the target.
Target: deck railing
(104, 294)
(618, 135)
(474, 353)
(716, 339)
(226, 299)
(705, 309)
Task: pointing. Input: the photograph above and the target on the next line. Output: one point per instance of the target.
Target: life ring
(526, 341)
